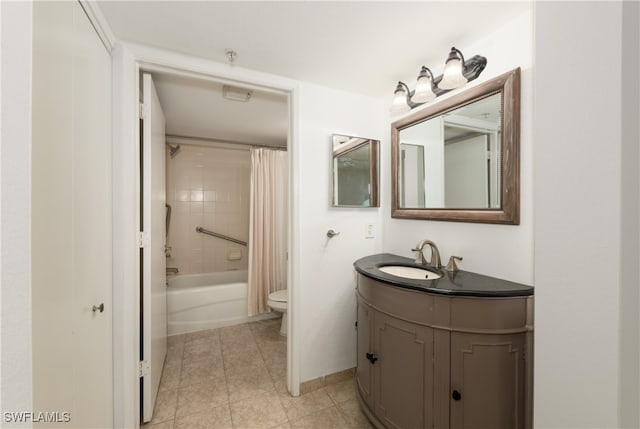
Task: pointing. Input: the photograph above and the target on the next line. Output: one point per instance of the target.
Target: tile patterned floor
(234, 377)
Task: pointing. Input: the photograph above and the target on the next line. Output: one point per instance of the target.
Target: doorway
(211, 130)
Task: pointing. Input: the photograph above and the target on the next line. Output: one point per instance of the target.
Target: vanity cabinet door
(402, 373)
(487, 381)
(364, 350)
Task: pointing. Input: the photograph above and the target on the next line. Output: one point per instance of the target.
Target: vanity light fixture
(457, 72)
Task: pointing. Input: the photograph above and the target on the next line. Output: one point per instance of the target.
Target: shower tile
(216, 418)
(202, 397)
(209, 208)
(261, 411)
(183, 195)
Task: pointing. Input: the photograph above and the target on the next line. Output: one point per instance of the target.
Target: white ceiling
(196, 108)
(363, 47)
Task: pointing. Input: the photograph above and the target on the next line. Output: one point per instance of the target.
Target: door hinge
(488, 155)
(141, 111)
(143, 239)
(143, 368)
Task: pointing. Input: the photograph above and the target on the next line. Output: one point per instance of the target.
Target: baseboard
(320, 382)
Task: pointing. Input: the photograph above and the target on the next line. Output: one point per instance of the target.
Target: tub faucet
(172, 270)
(435, 253)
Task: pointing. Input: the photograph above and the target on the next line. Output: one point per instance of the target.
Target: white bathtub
(205, 301)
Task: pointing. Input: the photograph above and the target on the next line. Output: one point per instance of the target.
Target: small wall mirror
(355, 171)
(458, 160)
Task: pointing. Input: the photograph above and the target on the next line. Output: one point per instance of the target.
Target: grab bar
(167, 219)
(215, 234)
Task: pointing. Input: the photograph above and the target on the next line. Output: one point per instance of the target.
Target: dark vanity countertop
(459, 283)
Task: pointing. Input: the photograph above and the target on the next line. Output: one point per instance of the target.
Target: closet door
(71, 218)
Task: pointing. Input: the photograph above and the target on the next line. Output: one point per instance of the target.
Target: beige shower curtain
(267, 227)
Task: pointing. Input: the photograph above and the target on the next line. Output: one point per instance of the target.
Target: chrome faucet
(172, 270)
(435, 253)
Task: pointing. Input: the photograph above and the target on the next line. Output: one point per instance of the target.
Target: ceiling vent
(236, 94)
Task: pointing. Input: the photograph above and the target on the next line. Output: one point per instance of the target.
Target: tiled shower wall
(208, 187)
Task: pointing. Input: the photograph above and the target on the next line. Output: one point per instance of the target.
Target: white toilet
(278, 302)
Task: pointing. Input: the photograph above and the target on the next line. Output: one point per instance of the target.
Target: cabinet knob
(456, 395)
(372, 357)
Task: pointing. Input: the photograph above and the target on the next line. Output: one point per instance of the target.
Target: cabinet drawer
(488, 314)
(404, 304)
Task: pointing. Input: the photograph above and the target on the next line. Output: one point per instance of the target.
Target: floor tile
(343, 391)
(199, 371)
(326, 419)
(216, 418)
(165, 408)
(175, 353)
(304, 405)
(175, 339)
(237, 359)
(201, 397)
(209, 333)
(164, 425)
(262, 411)
(353, 414)
(247, 382)
(170, 375)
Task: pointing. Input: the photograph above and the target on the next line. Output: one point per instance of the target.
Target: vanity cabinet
(428, 360)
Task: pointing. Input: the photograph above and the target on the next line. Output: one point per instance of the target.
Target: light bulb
(424, 92)
(399, 103)
(452, 76)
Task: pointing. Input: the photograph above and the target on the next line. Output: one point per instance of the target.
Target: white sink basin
(410, 272)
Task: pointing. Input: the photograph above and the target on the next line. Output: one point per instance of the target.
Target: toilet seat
(278, 302)
(279, 296)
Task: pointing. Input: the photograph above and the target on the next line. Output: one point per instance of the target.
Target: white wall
(15, 218)
(586, 221)
(326, 289)
(504, 251)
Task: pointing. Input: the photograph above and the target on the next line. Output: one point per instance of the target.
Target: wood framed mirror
(458, 159)
(355, 171)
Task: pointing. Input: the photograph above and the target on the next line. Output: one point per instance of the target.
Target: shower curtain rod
(206, 139)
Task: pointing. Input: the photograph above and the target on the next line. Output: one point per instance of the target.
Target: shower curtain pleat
(268, 227)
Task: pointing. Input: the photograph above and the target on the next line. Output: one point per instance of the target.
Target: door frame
(128, 61)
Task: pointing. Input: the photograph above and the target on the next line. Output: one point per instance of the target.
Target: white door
(471, 189)
(71, 219)
(154, 289)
